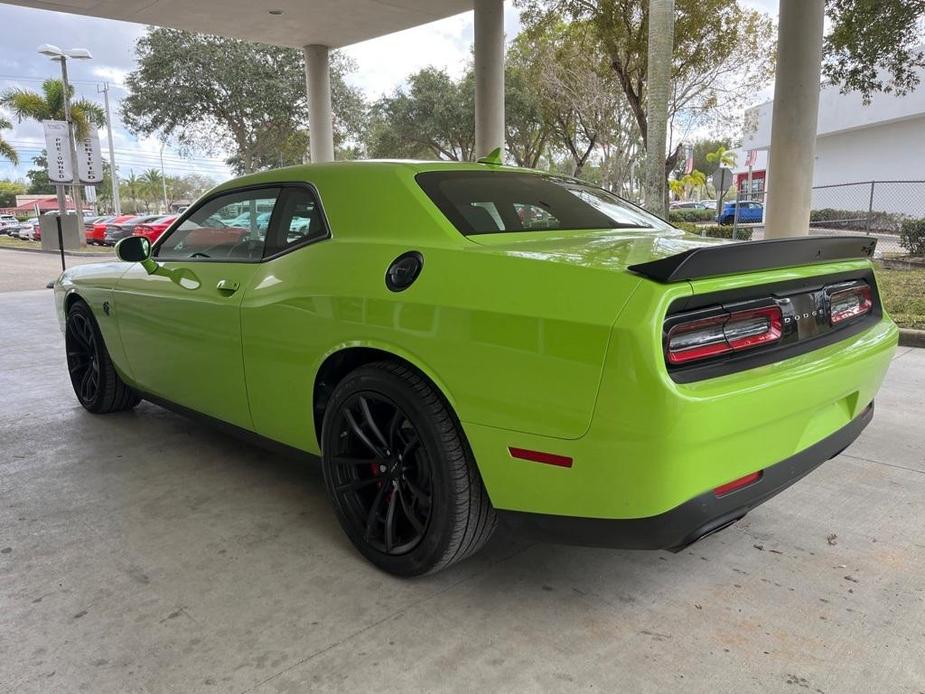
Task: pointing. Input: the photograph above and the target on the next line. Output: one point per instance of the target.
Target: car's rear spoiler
(734, 258)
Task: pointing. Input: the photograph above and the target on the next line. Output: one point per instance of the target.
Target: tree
(660, 51)
(874, 45)
(49, 105)
(430, 118)
(133, 188)
(720, 48)
(212, 93)
(8, 192)
(152, 184)
(527, 130)
(39, 183)
(6, 149)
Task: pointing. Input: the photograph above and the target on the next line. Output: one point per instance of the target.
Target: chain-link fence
(886, 210)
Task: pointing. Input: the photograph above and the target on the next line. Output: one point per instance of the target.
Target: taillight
(845, 304)
(728, 332)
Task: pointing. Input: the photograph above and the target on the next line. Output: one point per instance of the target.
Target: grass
(7, 242)
(903, 295)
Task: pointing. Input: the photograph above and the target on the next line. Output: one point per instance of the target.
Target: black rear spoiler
(735, 258)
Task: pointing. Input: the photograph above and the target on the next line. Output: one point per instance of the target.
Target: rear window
(490, 202)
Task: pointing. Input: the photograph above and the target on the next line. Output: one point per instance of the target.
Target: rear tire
(404, 484)
(96, 384)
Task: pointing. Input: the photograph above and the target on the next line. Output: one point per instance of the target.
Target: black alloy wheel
(97, 385)
(381, 474)
(399, 471)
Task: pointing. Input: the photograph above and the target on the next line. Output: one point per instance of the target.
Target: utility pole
(164, 179)
(113, 171)
(72, 145)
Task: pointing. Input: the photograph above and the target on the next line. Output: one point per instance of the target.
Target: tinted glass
(300, 221)
(486, 202)
(229, 227)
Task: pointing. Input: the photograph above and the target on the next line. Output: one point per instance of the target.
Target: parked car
(585, 372)
(95, 234)
(687, 205)
(152, 230)
(749, 213)
(28, 231)
(8, 223)
(116, 231)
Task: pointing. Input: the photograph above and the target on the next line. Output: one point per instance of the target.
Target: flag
(751, 157)
(689, 164)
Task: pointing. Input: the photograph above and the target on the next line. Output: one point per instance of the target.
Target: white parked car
(8, 223)
(28, 232)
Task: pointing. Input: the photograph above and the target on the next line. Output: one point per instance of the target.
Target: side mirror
(134, 249)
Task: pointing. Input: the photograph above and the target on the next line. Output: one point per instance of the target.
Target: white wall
(890, 151)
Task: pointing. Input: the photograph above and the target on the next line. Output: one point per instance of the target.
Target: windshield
(488, 202)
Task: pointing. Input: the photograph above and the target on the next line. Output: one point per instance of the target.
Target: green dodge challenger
(469, 344)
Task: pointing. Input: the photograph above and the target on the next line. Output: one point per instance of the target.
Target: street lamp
(62, 56)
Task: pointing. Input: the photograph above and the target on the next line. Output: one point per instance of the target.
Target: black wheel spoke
(371, 423)
(354, 461)
(390, 523)
(359, 483)
(419, 495)
(409, 447)
(374, 511)
(394, 424)
(360, 434)
(409, 512)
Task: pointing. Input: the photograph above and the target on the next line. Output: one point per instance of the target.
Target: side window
(229, 227)
(300, 220)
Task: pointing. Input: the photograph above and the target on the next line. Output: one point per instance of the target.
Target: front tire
(96, 384)
(404, 484)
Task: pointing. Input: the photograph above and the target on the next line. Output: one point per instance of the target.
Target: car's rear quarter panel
(654, 444)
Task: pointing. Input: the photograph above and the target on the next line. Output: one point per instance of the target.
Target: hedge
(856, 220)
(691, 215)
(912, 236)
(725, 232)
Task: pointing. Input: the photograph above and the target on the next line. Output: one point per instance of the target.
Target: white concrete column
(489, 75)
(318, 87)
(794, 117)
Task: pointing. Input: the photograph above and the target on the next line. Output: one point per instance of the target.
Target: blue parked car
(749, 212)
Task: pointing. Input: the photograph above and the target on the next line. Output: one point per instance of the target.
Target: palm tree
(152, 187)
(133, 183)
(724, 158)
(660, 53)
(49, 105)
(6, 149)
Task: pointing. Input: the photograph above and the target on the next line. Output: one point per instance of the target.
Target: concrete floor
(142, 553)
(24, 270)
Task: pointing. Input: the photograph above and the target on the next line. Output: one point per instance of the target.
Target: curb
(75, 254)
(911, 338)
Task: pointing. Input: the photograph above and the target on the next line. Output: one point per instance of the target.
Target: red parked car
(96, 233)
(152, 230)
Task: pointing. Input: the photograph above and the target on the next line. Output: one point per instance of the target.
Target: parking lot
(142, 552)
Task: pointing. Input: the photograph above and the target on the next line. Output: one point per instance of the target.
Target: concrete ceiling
(333, 23)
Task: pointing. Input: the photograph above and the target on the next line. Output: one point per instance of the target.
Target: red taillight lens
(850, 303)
(729, 332)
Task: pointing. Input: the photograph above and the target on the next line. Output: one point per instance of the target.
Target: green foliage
(39, 183)
(903, 295)
(686, 226)
(210, 92)
(691, 215)
(872, 38)
(912, 236)
(432, 117)
(49, 105)
(856, 220)
(701, 148)
(6, 149)
(725, 232)
(8, 192)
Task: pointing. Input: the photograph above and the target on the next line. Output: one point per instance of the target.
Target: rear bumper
(695, 518)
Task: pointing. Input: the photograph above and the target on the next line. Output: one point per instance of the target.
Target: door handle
(229, 286)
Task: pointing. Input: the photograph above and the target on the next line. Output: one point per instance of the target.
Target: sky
(383, 64)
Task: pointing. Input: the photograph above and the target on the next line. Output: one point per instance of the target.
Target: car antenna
(493, 158)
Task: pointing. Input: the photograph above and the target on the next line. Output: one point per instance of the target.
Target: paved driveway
(25, 270)
(142, 552)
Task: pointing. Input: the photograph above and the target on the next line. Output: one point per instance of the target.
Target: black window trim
(274, 220)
